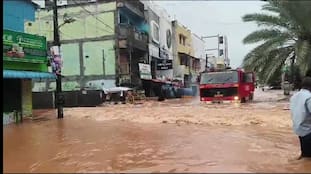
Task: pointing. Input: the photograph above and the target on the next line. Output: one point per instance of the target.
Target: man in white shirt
(300, 106)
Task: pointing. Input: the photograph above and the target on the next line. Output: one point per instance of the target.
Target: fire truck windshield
(219, 77)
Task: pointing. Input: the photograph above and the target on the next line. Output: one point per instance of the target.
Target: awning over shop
(12, 74)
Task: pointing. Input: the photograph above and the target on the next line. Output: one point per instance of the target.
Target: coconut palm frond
(270, 8)
(266, 20)
(276, 63)
(267, 34)
(285, 31)
(304, 55)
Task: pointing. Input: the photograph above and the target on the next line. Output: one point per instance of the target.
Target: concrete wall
(187, 48)
(181, 70)
(88, 45)
(15, 12)
(71, 61)
(85, 26)
(99, 58)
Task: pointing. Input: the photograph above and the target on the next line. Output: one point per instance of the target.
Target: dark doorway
(153, 68)
(12, 95)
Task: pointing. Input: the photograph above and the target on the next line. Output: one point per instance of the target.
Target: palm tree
(285, 33)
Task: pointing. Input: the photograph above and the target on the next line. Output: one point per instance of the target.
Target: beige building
(183, 53)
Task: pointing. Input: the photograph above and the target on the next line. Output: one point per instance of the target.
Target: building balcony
(134, 6)
(132, 38)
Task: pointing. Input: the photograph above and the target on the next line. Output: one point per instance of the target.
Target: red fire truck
(227, 85)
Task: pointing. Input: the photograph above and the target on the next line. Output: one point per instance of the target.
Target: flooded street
(172, 136)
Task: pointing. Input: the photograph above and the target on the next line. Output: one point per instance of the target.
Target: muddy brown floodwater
(173, 136)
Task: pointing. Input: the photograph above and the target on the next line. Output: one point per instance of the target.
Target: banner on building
(23, 46)
(144, 71)
(56, 60)
(164, 64)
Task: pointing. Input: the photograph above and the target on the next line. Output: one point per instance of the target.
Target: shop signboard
(164, 64)
(24, 47)
(144, 71)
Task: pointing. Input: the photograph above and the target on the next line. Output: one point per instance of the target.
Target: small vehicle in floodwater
(227, 85)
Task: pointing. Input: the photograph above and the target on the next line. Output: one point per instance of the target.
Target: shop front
(24, 59)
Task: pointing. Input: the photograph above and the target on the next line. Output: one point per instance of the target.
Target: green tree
(285, 32)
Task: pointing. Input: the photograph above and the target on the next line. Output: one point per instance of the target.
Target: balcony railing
(134, 38)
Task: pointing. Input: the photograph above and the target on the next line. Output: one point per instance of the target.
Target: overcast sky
(217, 17)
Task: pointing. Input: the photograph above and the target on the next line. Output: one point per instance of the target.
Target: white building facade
(161, 53)
(199, 50)
(165, 68)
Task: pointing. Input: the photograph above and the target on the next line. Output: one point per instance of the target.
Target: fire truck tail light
(236, 85)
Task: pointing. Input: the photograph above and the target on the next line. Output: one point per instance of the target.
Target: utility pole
(227, 63)
(59, 96)
(292, 70)
(206, 61)
(218, 40)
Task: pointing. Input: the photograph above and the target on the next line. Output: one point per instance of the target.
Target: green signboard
(23, 47)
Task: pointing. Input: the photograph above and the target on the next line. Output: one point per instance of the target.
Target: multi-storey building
(103, 45)
(164, 65)
(182, 52)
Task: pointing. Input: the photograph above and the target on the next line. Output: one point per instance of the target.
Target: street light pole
(206, 61)
(56, 43)
(292, 70)
(218, 46)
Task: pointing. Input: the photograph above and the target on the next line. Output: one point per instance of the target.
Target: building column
(26, 97)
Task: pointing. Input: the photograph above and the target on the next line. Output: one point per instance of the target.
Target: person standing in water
(300, 106)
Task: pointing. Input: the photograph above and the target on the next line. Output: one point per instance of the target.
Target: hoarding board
(144, 71)
(24, 47)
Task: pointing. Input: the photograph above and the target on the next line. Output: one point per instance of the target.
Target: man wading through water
(300, 106)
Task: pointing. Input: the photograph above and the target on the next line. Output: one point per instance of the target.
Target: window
(248, 77)
(184, 60)
(182, 39)
(196, 64)
(123, 19)
(219, 77)
(155, 32)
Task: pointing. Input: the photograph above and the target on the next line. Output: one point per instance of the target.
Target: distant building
(160, 42)
(183, 53)
(199, 59)
(154, 37)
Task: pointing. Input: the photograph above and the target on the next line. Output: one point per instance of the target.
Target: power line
(80, 19)
(96, 17)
